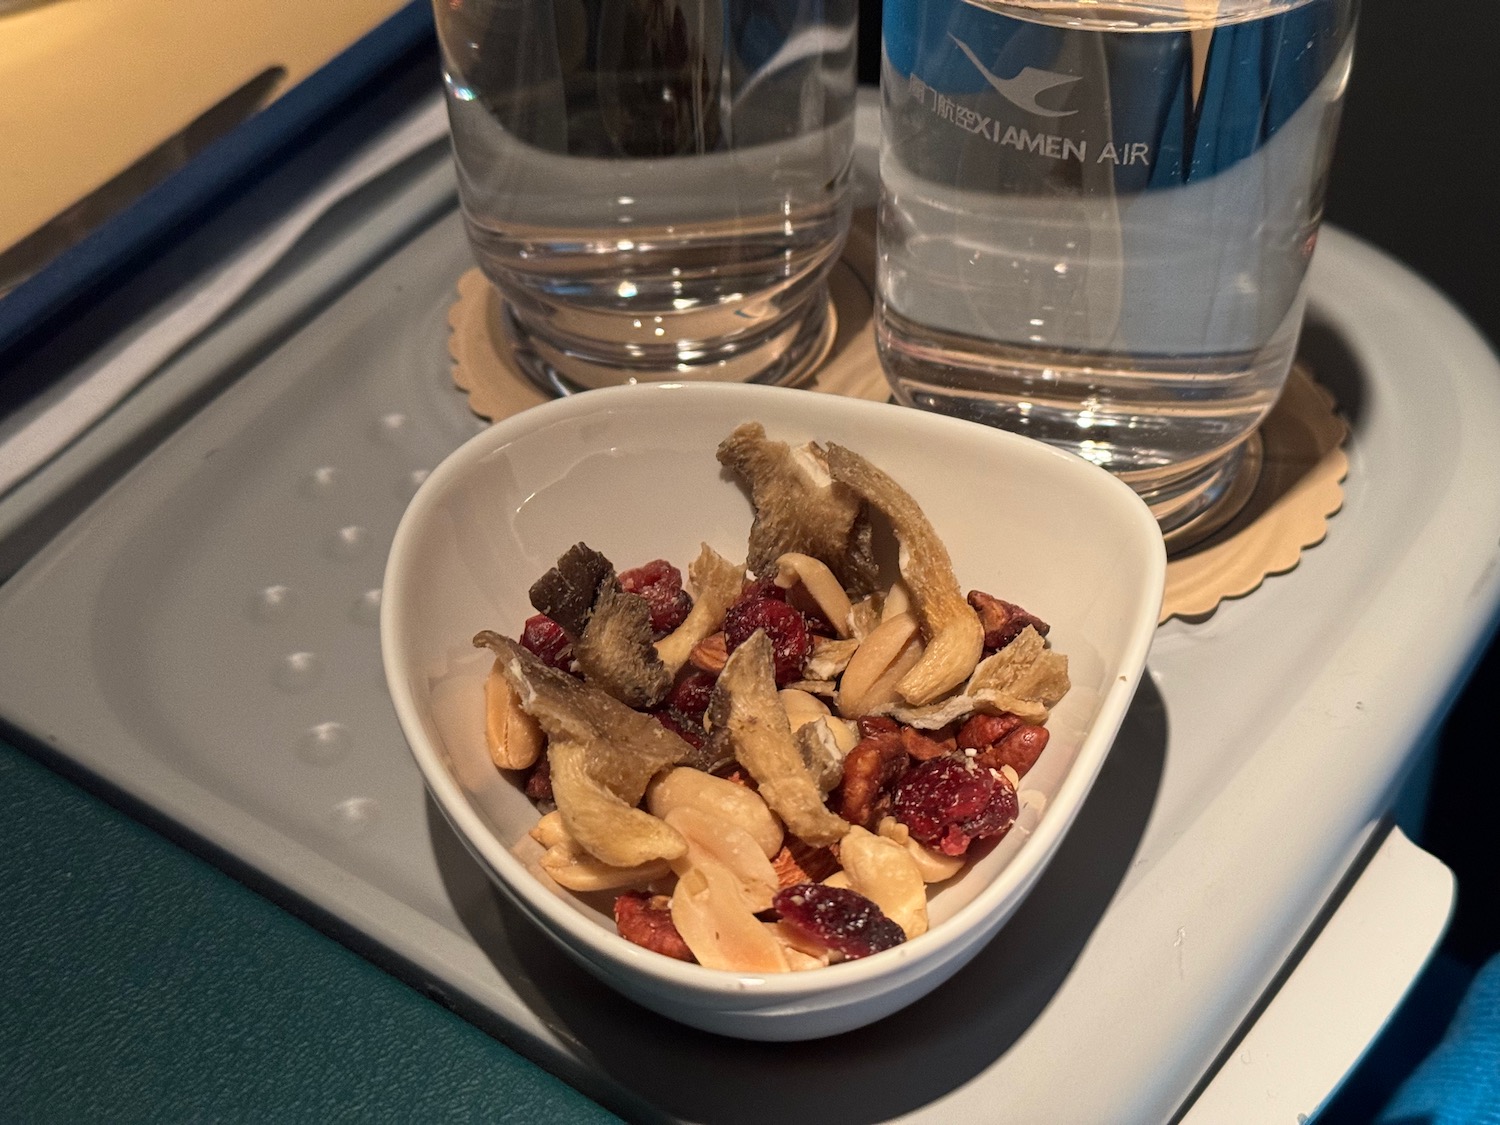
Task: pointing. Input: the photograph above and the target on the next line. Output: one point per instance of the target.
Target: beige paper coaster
(484, 365)
(1298, 488)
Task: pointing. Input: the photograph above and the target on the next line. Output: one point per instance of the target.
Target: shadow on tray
(895, 1066)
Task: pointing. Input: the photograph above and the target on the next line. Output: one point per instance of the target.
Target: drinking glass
(657, 188)
(1096, 221)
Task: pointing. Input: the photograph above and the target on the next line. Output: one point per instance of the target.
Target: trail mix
(767, 766)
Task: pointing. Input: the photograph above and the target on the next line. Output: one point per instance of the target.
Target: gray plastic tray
(203, 639)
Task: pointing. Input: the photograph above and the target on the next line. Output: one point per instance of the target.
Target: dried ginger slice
(606, 750)
(955, 638)
(745, 712)
(1025, 677)
(716, 583)
(799, 508)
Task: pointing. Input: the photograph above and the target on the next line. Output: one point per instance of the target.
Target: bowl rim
(594, 943)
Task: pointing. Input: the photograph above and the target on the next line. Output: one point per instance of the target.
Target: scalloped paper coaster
(1298, 489)
(1300, 486)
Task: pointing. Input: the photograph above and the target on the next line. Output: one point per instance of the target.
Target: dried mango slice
(955, 638)
(746, 714)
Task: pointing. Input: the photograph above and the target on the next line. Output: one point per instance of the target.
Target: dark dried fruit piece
(784, 625)
(945, 804)
(566, 593)
(870, 769)
(685, 726)
(646, 920)
(545, 639)
(838, 919)
(691, 693)
(539, 780)
(660, 583)
(1002, 620)
(993, 820)
(762, 588)
(877, 724)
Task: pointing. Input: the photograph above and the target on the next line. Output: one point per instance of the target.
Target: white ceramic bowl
(631, 471)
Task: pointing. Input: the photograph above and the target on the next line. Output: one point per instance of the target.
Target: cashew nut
(886, 874)
(724, 800)
(715, 583)
(717, 925)
(955, 638)
(794, 570)
(882, 659)
(514, 739)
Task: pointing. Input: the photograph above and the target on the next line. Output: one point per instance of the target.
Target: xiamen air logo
(1022, 90)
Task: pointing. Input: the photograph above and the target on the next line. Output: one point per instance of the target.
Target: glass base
(1190, 510)
(786, 357)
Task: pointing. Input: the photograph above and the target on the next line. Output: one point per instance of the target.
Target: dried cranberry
(660, 583)
(784, 625)
(994, 819)
(687, 727)
(539, 780)
(838, 918)
(691, 693)
(946, 803)
(646, 920)
(762, 588)
(545, 639)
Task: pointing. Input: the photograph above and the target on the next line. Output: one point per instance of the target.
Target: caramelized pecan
(925, 744)
(1002, 620)
(798, 862)
(646, 920)
(980, 732)
(871, 768)
(1019, 749)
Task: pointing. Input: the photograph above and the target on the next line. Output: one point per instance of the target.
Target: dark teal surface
(138, 982)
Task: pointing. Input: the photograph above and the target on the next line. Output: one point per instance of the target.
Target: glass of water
(657, 188)
(1096, 221)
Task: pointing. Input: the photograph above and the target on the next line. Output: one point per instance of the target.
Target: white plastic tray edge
(1341, 994)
